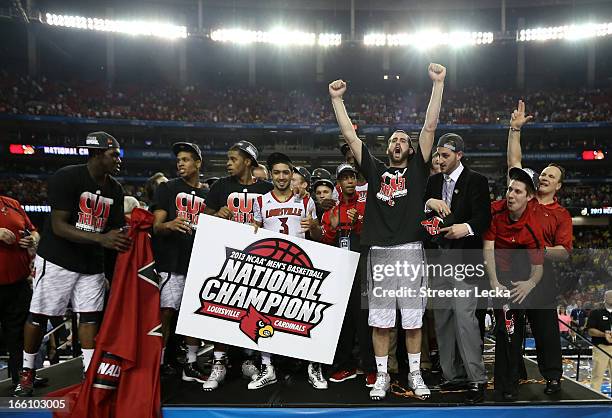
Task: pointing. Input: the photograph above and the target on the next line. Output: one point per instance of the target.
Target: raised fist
(337, 88)
(437, 72)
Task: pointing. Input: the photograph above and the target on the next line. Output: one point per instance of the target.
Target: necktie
(447, 190)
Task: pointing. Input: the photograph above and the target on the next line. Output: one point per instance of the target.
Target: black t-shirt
(579, 315)
(93, 208)
(178, 199)
(600, 319)
(394, 206)
(239, 198)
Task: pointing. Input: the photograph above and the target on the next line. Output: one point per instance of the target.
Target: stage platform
(294, 395)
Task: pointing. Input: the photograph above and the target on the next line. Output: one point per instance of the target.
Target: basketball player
(86, 212)
(232, 198)
(392, 229)
(283, 211)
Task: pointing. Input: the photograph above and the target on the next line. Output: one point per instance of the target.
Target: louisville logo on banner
(123, 377)
(266, 291)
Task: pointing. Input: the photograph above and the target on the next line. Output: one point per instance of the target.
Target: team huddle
(390, 212)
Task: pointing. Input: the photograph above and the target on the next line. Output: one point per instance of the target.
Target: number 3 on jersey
(284, 226)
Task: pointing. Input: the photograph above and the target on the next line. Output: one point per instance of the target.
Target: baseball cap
(526, 175)
(278, 157)
(303, 172)
(344, 167)
(187, 146)
(326, 182)
(451, 141)
(211, 180)
(99, 140)
(320, 173)
(249, 149)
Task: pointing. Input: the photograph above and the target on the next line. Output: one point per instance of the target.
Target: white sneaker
(217, 376)
(417, 384)
(381, 386)
(249, 369)
(266, 377)
(315, 376)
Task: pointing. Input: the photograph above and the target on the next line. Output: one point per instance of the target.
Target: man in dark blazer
(460, 197)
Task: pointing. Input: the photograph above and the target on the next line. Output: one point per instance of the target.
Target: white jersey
(283, 217)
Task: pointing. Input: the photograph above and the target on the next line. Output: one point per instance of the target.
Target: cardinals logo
(432, 226)
(255, 325)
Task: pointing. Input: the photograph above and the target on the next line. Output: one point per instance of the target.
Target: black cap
(344, 167)
(211, 180)
(99, 140)
(320, 173)
(302, 172)
(278, 157)
(249, 149)
(344, 148)
(526, 175)
(320, 182)
(187, 146)
(451, 141)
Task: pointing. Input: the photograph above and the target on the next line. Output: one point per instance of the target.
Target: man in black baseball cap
(99, 140)
(189, 147)
(300, 180)
(248, 151)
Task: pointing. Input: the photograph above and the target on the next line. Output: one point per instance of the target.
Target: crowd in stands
(22, 95)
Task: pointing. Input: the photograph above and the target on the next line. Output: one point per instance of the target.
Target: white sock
(163, 354)
(87, 355)
(28, 360)
(414, 362)
(218, 355)
(381, 364)
(192, 353)
(266, 359)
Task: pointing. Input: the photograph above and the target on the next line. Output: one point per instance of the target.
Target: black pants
(508, 351)
(14, 307)
(545, 330)
(355, 324)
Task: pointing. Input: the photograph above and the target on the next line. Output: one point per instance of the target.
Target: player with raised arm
(392, 227)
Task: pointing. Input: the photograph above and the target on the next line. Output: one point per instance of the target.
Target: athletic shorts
(54, 288)
(396, 278)
(171, 290)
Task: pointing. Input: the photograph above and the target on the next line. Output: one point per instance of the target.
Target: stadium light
(569, 32)
(136, 27)
(429, 39)
(277, 36)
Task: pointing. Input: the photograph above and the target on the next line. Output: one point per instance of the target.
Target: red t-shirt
(556, 224)
(14, 260)
(524, 233)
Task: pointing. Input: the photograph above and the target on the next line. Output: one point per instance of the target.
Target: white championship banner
(266, 291)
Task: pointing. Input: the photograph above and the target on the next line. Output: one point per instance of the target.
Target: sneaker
(342, 375)
(265, 377)
(40, 382)
(417, 384)
(315, 376)
(249, 369)
(25, 387)
(370, 379)
(381, 386)
(192, 373)
(217, 376)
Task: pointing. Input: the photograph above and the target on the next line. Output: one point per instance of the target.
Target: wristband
(514, 129)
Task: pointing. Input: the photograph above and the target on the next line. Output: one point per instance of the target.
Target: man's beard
(404, 157)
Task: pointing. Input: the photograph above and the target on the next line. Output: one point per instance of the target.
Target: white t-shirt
(283, 217)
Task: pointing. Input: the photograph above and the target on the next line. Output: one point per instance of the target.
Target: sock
(414, 361)
(87, 355)
(28, 360)
(219, 355)
(381, 364)
(266, 359)
(163, 354)
(192, 353)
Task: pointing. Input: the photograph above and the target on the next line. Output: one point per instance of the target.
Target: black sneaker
(40, 382)
(552, 386)
(192, 373)
(25, 387)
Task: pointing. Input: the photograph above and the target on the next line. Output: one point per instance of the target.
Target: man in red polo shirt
(556, 225)
(513, 259)
(18, 240)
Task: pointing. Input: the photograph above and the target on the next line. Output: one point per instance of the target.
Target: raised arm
(517, 120)
(437, 73)
(336, 90)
